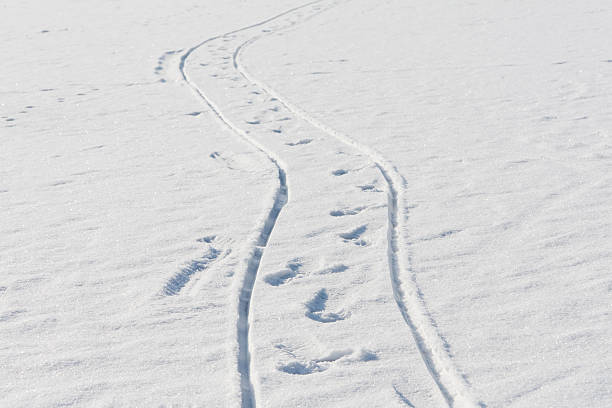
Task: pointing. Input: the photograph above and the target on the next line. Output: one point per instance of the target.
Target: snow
(338, 203)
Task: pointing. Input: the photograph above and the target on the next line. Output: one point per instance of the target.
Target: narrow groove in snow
(406, 292)
(281, 197)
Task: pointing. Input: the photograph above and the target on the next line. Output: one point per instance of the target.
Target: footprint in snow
(346, 211)
(291, 271)
(301, 142)
(208, 239)
(354, 236)
(333, 269)
(318, 365)
(175, 284)
(370, 188)
(315, 309)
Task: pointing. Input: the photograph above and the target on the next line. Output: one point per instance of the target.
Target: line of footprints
(316, 310)
(316, 307)
(274, 118)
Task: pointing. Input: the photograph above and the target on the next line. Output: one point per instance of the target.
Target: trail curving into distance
(406, 291)
(407, 294)
(281, 197)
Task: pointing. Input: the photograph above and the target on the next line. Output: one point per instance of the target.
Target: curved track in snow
(281, 197)
(405, 288)
(406, 292)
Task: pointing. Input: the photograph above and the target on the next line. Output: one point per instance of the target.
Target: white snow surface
(339, 203)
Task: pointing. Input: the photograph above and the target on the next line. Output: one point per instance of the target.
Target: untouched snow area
(341, 203)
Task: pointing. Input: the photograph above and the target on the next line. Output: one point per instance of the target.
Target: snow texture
(338, 203)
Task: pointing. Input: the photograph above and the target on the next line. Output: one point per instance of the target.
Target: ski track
(408, 295)
(281, 197)
(406, 291)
